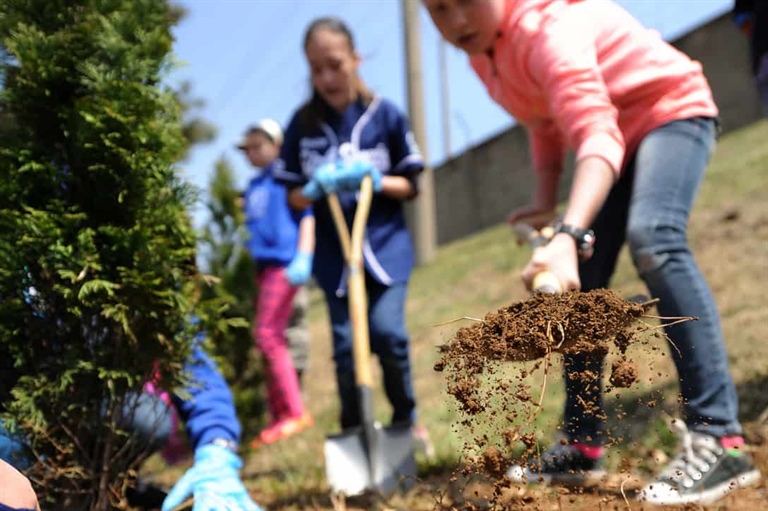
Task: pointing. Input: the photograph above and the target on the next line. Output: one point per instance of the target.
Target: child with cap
(281, 243)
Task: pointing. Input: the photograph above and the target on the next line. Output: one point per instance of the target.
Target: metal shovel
(370, 457)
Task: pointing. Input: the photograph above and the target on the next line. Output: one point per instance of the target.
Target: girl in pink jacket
(639, 115)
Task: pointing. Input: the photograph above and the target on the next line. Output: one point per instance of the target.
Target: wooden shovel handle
(352, 247)
(341, 225)
(545, 281)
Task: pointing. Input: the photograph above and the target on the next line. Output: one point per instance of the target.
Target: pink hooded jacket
(586, 75)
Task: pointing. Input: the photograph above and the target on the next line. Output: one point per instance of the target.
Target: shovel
(368, 457)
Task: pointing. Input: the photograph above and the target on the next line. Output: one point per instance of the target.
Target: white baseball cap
(269, 127)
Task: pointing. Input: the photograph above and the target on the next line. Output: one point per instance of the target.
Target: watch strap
(585, 239)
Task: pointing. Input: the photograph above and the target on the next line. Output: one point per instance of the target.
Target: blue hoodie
(273, 227)
(207, 408)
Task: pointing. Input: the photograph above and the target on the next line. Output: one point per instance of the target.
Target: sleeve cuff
(603, 146)
(216, 433)
(412, 162)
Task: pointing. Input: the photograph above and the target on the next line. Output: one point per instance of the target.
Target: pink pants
(273, 310)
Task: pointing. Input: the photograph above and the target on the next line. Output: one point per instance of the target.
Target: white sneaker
(703, 472)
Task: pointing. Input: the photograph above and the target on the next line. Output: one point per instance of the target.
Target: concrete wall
(478, 188)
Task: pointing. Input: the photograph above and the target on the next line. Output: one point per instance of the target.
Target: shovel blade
(347, 464)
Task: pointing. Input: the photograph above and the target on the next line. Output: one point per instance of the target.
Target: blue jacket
(273, 227)
(207, 409)
(380, 133)
(3, 507)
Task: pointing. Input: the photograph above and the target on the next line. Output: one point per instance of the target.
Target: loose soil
(499, 411)
(570, 323)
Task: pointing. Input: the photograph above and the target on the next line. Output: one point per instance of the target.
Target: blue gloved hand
(323, 182)
(300, 269)
(349, 176)
(214, 483)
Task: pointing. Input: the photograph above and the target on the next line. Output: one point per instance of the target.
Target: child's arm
(287, 168)
(397, 187)
(592, 181)
(17, 493)
(300, 268)
(306, 242)
(206, 405)
(564, 61)
(297, 200)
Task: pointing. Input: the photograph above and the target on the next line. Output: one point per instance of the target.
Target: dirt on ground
(467, 490)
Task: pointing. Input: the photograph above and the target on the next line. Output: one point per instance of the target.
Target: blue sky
(244, 60)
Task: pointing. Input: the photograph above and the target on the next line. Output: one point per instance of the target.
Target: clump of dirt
(568, 323)
(498, 403)
(623, 373)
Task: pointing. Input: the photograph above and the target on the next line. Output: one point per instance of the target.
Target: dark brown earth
(570, 323)
(587, 323)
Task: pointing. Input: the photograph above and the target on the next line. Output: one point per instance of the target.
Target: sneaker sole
(709, 496)
(297, 427)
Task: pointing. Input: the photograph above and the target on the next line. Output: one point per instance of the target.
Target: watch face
(587, 244)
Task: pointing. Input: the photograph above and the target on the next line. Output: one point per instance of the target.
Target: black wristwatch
(585, 239)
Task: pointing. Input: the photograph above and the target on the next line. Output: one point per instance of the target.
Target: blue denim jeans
(149, 419)
(389, 342)
(649, 208)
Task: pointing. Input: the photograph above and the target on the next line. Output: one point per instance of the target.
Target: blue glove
(323, 182)
(214, 483)
(349, 176)
(300, 269)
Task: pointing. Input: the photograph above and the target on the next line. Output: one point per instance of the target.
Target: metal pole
(445, 99)
(422, 210)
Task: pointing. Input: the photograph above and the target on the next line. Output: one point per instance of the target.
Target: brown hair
(315, 111)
